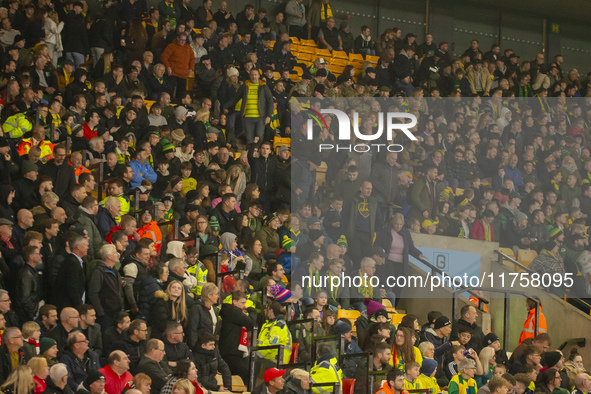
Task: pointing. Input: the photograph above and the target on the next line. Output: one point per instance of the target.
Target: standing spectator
(104, 286)
(70, 285)
(90, 328)
(364, 43)
(468, 316)
(296, 18)
(245, 19)
(203, 15)
(75, 35)
(179, 60)
(256, 108)
(27, 290)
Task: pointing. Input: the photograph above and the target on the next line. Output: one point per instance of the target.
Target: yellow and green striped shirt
(252, 101)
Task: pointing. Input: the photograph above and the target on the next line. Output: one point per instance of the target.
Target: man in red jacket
(483, 229)
(179, 60)
(116, 372)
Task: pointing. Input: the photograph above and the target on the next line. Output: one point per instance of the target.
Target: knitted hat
(372, 306)
(442, 321)
(167, 197)
(93, 376)
(428, 366)
(341, 328)
(192, 195)
(552, 358)
(514, 195)
(168, 147)
(208, 250)
(313, 235)
(175, 181)
(287, 243)
(519, 216)
(45, 344)
(342, 241)
(381, 312)
(28, 166)
(177, 135)
(549, 245)
(232, 71)
(180, 111)
(214, 224)
(281, 295)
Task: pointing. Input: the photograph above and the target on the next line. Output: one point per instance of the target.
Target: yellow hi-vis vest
(16, 125)
(249, 302)
(325, 372)
(275, 332)
(200, 272)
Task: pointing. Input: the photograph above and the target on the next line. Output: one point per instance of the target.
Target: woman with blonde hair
(487, 360)
(103, 65)
(236, 179)
(40, 372)
(170, 306)
(183, 386)
(206, 317)
(53, 38)
(143, 383)
(20, 381)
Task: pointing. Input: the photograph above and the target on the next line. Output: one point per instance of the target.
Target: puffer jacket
(200, 321)
(180, 58)
(209, 363)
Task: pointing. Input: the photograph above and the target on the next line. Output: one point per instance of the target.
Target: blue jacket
(145, 169)
(104, 221)
(515, 175)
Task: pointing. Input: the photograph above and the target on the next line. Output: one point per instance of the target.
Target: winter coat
(180, 58)
(209, 363)
(134, 351)
(177, 351)
(200, 321)
(234, 319)
(104, 290)
(162, 314)
(78, 368)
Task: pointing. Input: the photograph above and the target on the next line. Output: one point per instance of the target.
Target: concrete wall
(564, 320)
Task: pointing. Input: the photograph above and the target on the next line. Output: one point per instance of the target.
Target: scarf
(487, 233)
(365, 291)
(35, 343)
(7, 241)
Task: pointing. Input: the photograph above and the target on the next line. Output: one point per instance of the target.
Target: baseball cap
(272, 373)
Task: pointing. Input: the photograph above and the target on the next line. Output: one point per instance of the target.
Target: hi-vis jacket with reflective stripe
(275, 332)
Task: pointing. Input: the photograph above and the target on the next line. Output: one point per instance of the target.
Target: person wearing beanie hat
(95, 382)
(46, 344)
(438, 336)
(553, 359)
(314, 243)
(427, 378)
(214, 225)
(372, 308)
(281, 295)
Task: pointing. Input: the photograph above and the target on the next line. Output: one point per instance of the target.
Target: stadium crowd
(186, 119)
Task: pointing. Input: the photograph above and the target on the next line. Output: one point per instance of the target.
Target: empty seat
(340, 55)
(372, 59)
(397, 318)
(356, 57)
(525, 257)
(324, 53)
(308, 43)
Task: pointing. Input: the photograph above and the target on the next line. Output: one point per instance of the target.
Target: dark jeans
(296, 31)
(238, 366)
(179, 85)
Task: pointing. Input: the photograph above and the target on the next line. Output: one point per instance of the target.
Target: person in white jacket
(53, 38)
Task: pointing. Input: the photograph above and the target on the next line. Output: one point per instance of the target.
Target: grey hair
(466, 363)
(58, 371)
(93, 143)
(174, 263)
(105, 250)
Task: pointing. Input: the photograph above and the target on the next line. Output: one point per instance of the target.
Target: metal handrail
(503, 256)
(456, 294)
(435, 270)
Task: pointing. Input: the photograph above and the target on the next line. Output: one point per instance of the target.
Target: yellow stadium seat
(386, 302)
(356, 57)
(397, 318)
(279, 141)
(339, 62)
(238, 384)
(372, 59)
(324, 53)
(509, 253)
(294, 40)
(525, 257)
(272, 44)
(308, 43)
(336, 69)
(340, 55)
(299, 71)
(285, 280)
(295, 48)
(294, 77)
(306, 57)
(149, 104)
(348, 314)
(310, 50)
(276, 75)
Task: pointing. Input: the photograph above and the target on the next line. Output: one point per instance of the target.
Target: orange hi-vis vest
(529, 325)
(152, 231)
(45, 146)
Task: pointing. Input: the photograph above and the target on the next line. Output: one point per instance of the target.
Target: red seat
(294, 353)
(348, 386)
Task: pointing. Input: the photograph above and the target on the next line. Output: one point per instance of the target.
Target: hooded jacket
(209, 363)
